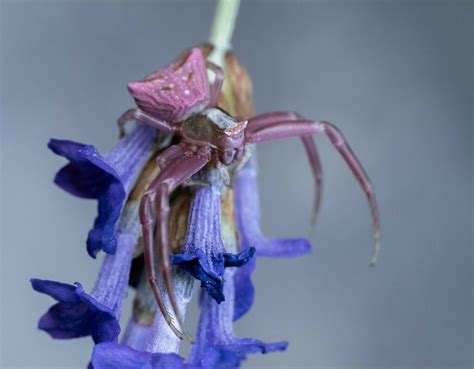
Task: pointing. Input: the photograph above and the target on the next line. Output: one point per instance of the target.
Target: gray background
(395, 76)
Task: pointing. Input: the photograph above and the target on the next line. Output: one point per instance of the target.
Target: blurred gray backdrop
(395, 76)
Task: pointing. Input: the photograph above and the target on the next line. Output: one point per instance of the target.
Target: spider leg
(217, 84)
(313, 156)
(302, 127)
(265, 119)
(146, 219)
(137, 114)
(177, 172)
(168, 155)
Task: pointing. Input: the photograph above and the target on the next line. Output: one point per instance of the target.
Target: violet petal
(108, 178)
(112, 355)
(203, 254)
(136, 334)
(245, 291)
(155, 345)
(216, 345)
(247, 205)
(248, 223)
(77, 314)
(198, 266)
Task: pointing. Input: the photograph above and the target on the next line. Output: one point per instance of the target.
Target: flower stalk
(222, 29)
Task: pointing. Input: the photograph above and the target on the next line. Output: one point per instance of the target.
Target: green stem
(222, 29)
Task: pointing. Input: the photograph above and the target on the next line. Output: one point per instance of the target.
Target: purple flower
(107, 178)
(248, 219)
(203, 254)
(79, 314)
(248, 223)
(112, 355)
(155, 346)
(136, 334)
(216, 345)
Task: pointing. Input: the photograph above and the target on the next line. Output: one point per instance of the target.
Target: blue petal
(197, 264)
(203, 253)
(76, 314)
(232, 355)
(248, 223)
(111, 355)
(107, 178)
(216, 345)
(248, 220)
(244, 289)
(89, 176)
(229, 356)
(237, 260)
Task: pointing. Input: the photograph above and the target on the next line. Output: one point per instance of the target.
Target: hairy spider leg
(177, 172)
(265, 119)
(304, 127)
(137, 114)
(216, 85)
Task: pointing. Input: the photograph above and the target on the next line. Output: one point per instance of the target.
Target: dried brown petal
(241, 86)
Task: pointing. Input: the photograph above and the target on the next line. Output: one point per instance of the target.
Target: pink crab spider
(178, 100)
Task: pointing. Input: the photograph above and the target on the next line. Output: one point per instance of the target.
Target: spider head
(219, 130)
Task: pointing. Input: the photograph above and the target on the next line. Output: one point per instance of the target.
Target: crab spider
(179, 100)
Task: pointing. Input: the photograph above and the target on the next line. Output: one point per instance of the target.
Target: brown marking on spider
(167, 88)
(189, 77)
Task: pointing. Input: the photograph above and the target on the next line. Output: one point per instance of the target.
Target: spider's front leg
(265, 119)
(137, 114)
(174, 174)
(303, 127)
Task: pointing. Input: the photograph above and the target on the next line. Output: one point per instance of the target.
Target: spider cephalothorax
(179, 101)
(217, 129)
